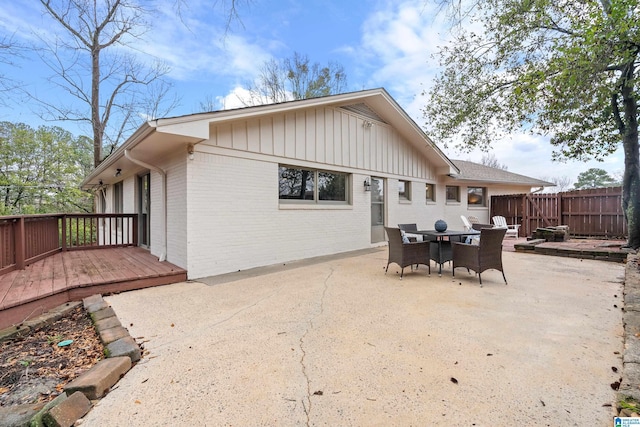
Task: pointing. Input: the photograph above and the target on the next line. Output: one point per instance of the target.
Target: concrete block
(107, 322)
(124, 347)
(107, 336)
(93, 299)
(103, 314)
(631, 349)
(630, 385)
(97, 381)
(36, 420)
(67, 412)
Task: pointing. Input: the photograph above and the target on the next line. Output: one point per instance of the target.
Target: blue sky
(380, 43)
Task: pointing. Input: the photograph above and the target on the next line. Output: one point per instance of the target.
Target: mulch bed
(33, 368)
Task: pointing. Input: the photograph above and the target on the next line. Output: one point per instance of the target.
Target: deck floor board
(75, 273)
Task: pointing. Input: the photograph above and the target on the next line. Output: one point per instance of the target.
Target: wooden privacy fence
(25, 239)
(594, 212)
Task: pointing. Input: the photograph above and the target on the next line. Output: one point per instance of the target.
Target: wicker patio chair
(408, 228)
(406, 254)
(484, 256)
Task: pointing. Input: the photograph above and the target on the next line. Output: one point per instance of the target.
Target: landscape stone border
(629, 389)
(121, 352)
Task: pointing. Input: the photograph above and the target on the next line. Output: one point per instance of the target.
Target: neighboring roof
(470, 171)
(154, 139)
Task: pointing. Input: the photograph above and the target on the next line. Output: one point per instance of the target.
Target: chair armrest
(481, 226)
(464, 248)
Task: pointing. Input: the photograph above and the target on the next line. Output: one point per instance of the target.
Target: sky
(380, 43)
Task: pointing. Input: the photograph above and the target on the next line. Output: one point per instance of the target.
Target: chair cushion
(405, 239)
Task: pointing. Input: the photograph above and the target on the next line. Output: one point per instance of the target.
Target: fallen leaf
(318, 393)
(614, 369)
(172, 325)
(137, 402)
(453, 380)
(3, 390)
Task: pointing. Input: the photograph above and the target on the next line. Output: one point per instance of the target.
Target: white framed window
(404, 190)
(477, 196)
(453, 194)
(304, 185)
(430, 191)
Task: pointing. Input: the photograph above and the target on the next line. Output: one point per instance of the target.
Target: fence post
(20, 243)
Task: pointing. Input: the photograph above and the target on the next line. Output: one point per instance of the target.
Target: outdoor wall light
(190, 150)
(367, 184)
(367, 124)
(118, 172)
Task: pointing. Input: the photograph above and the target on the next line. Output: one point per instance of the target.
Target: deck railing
(25, 239)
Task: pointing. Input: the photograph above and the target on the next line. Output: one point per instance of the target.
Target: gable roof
(155, 138)
(470, 171)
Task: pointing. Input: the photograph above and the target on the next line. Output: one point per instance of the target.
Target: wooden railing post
(20, 245)
(135, 230)
(64, 233)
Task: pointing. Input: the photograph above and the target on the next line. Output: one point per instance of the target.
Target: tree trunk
(95, 106)
(631, 179)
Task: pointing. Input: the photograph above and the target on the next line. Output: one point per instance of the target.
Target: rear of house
(232, 190)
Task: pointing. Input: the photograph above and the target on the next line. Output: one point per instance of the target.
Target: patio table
(443, 252)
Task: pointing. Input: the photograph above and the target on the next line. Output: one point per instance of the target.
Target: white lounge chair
(466, 223)
(501, 222)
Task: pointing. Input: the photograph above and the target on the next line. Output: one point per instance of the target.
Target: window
(431, 192)
(453, 193)
(311, 186)
(404, 190)
(118, 198)
(476, 196)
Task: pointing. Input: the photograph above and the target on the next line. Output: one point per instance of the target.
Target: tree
(563, 69)
(114, 89)
(562, 183)
(295, 78)
(594, 178)
(492, 161)
(41, 170)
(9, 50)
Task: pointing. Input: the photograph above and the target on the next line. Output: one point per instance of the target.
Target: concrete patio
(338, 342)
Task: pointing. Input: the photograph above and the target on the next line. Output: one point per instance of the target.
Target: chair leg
(401, 273)
(480, 277)
(503, 276)
(386, 269)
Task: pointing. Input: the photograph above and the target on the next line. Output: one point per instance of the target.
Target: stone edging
(121, 353)
(629, 390)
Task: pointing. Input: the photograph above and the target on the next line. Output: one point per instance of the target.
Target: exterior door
(377, 210)
(144, 205)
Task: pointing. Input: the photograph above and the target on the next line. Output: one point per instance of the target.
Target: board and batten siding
(330, 136)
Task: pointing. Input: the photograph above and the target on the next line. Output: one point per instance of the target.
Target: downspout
(163, 253)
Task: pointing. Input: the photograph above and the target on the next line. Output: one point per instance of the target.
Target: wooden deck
(73, 275)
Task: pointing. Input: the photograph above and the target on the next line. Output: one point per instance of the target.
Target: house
(230, 190)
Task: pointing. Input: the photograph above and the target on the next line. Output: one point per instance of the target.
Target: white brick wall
(235, 222)
(176, 170)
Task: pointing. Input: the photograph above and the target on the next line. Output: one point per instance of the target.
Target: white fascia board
(140, 134)
(198, 129)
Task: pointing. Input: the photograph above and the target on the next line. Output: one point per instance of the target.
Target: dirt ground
(34, 368)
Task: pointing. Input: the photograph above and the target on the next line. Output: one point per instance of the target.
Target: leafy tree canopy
(560, 68)
(41, 170)
(594, 178)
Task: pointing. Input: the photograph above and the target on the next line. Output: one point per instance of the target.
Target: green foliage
(41, 170)
(563, 69)
(594, 178)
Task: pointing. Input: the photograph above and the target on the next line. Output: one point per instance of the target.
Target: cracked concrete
(341, 343)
